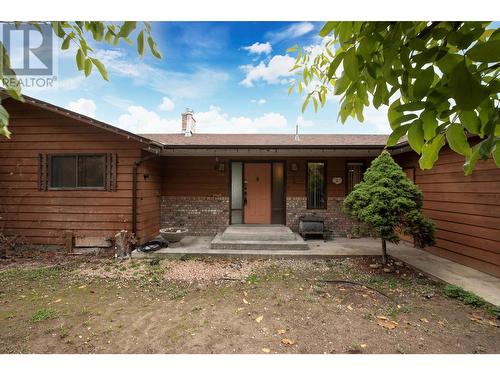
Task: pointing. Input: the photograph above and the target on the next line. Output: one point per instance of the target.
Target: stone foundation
(335, 220)
(201, 215)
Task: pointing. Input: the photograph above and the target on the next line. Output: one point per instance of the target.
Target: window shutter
(111, 168)
(43, 172)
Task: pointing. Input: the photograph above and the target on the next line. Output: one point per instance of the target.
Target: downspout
(135, 168)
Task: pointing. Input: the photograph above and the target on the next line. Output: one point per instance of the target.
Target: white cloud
(273, 72)
(216, 121)
(201, 82)
(293, 31)
(83, 106)
(141, 120)
(166, 104)
(259, 101)
(303, 123)
(259, 48)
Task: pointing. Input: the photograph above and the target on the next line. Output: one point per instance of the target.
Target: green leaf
(127, 28)
(448, 62)
(470, 121)
(465, 88)
(335, 64)
(67, 40)
(396, 134)
(327, 28)
(140, 43)
(496, 153)
(290, 89)
(351, 64)
(415, 106)
(292, 49)
(423, 83)
(416, 136)
(4, 115)
(154, 49)
(341, 84)
(429, 124)
(306, 102)
(471, 159)
(404, 118)
(457, 139)
(80, 59)
(88, 67)
(392, 114)
(101, 68)
(488, 52)
(430, 152)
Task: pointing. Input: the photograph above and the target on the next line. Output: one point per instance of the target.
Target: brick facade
(335, 220)
(201, 215)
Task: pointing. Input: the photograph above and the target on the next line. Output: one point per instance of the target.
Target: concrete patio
(482, 284)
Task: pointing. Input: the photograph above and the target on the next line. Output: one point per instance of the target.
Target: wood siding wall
(41, 217)
(465, 209)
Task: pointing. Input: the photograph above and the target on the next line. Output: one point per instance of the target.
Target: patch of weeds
(252, 278)
(469, 298)
(30, 274)
(44, 314)
(178, 294)
(392, 311)
(392, 283)
(135, 265)
(375, 281)
(367, 316)
(196, 308)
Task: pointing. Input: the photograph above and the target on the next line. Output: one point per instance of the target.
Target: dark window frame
(77, 155)
(325, 184)
(363, 169)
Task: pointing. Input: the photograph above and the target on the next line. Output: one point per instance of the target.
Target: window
(316, 185)
(354, 175)
(77, 171)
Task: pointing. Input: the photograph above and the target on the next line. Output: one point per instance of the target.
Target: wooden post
(68, 241)
(122, 244)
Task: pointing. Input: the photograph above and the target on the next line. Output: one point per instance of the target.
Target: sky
(234, 75)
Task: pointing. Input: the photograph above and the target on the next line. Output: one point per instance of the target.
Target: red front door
(257, 187)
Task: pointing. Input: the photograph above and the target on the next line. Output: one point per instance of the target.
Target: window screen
(354, 175)
(316, 185)
(77, 171)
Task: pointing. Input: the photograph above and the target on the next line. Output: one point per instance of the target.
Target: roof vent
(188, 122)
(297, 138)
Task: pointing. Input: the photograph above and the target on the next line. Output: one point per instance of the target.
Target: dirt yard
(55, 304)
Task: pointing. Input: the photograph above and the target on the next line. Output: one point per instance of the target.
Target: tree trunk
(384, 252)
(122, 244)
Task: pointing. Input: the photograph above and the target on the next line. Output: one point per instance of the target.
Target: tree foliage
(438, 79)
(78, 34)
(389, 203)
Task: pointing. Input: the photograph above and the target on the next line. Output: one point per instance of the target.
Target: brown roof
(268, 140)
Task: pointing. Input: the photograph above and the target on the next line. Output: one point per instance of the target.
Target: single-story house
(64, 175)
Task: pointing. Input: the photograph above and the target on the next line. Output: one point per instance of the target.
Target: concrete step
(220, 243)
(258, 233)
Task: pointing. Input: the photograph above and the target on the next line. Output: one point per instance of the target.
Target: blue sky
(235, 75)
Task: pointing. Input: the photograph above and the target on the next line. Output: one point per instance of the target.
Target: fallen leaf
(350, 307)
(301, 288)
(259, 318)
(382, 317)
(245, 293)
(387, 324)
(245, 301)
(281, 331)
(82, 286)
(494, 324)
(266, 350)
(57, 300)
(287, 341)
(399, 306)
(424, 320)
(441, 322)
(240, 309)
(363, 345)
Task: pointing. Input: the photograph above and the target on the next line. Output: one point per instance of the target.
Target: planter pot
(173, 234)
